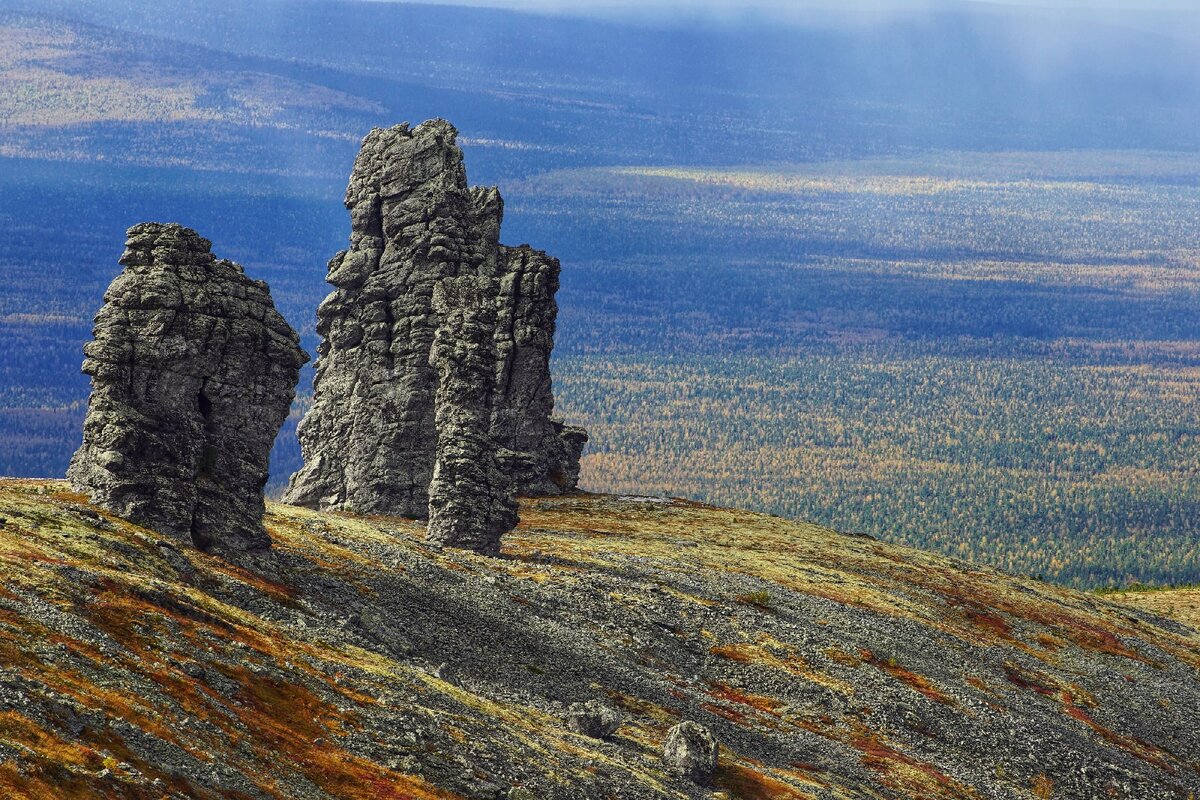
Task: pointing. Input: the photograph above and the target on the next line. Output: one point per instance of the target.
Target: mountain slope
(355, 661)
(1181, 604)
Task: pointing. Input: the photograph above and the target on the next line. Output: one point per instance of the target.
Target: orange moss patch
(1033, 681)
(58, 769)
(745, 783)
(70, 496)
(734, 716)
(1092, 637)
(743, 653)
(1073, 700)
(52, 783)
(1042, 787)
(840, 656)
(906, 774)
(277, 591)
(18, 729)
(909, 678)
(776, 655)
(644, 708)
(980, 685)
(981, 617)
(1047, 642)
(1135, 747)
(807, 773)
(729, 694)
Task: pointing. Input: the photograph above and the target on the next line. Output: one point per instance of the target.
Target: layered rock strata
(470, 500)
(193, 373)
(370, 438)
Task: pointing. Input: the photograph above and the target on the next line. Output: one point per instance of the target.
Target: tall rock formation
(470, 499)
(370, 438)
(541, 454)
(193, 372)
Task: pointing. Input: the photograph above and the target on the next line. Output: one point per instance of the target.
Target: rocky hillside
(1181, 605)
(353, 660)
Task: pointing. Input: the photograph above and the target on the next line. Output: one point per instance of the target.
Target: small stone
(447, 673)
(593, 719)
(691, 751)
(94, 519)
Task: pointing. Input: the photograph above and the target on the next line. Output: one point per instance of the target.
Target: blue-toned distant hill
(935, 278)
(293, 76)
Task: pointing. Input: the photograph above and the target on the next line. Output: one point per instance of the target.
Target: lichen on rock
(193, 373)
(370, 438)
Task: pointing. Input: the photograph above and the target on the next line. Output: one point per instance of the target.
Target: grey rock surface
(691, 751)
(543, 453)
(593, 719)
(193, 373)
(470, 500)
(370, 438)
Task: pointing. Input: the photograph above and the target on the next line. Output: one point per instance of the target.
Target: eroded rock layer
(470, 499)
(370, 438)
(193, 372)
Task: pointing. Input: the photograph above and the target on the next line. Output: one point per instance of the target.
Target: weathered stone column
(542, 454)
(470, 499)
(193, 373)
(369, 439)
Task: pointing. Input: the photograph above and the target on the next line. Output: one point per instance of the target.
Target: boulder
(593, 719)
(690, 751)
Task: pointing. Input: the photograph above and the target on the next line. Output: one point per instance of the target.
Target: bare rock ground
(826, 666)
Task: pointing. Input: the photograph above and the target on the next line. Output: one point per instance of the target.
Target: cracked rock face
(543, 453)
(370, 437)
(470, 499)
(193, 373)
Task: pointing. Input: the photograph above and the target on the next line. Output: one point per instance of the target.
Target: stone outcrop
(470, 500)
(193, 373)
(370, 438)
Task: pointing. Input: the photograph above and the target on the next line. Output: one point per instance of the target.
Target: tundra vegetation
(354, 660)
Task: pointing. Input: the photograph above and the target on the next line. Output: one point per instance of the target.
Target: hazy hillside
(877, 276)
(354, 661)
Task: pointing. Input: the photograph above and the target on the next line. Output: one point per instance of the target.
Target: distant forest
(967, 324)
